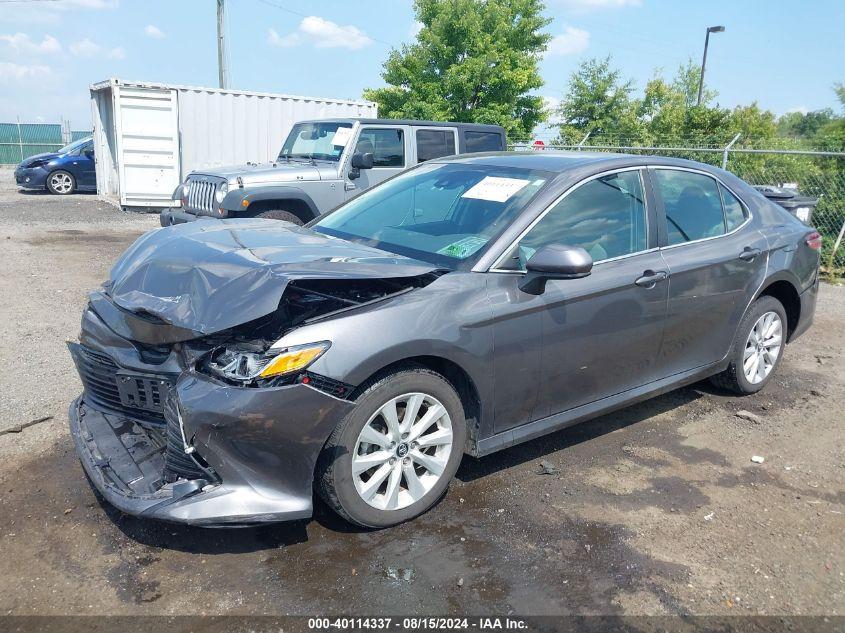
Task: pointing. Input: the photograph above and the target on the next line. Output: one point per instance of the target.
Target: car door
(390, 147)
(582, 339)
(716, 262)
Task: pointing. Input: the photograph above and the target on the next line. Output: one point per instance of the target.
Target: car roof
(556, 161)
(412, 122)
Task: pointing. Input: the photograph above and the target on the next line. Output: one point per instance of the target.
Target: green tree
(598, 101)
(474, 61)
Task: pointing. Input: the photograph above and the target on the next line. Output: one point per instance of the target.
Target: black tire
(733, 378)
(66, 177)
(334, 469)
(278, 214)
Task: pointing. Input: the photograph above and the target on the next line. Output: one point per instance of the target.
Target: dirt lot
(656, 509)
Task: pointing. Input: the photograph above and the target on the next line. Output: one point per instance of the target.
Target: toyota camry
(234, 369)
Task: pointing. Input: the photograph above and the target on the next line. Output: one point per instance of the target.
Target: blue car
(62, 172)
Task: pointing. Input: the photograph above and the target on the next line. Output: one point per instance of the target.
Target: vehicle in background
(61, 172)
(323, 164)
(231, 368)
(792, 200)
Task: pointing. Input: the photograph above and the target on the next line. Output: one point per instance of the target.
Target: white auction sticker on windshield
(495, 189)
(341, 137)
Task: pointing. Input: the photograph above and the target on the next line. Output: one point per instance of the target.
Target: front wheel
(61, 183)
(395, 454)
(758, 348)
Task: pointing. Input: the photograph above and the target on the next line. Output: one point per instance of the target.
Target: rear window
(483, 141)
(434, 144)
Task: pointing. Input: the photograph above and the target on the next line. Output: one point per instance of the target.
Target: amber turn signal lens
(293, 359)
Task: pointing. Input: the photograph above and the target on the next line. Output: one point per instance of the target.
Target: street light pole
(710, 29)
(221, 44)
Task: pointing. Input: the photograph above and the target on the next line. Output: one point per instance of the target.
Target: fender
(234, 201)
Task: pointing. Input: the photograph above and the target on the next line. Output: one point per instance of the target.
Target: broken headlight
(246, 365)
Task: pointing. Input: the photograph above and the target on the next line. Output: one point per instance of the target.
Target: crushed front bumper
(257, 446)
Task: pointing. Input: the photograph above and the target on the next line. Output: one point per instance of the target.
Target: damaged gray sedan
(231, 368)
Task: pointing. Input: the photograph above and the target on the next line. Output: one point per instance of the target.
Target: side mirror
(89, 153)
(555, 261)
(360, 161)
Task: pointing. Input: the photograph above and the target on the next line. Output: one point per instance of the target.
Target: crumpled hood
(253, 173)
(211, 275)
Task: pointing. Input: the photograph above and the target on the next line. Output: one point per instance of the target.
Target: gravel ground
(656, 509)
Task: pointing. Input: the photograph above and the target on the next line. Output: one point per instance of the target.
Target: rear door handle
(749, 254)
(651, 277)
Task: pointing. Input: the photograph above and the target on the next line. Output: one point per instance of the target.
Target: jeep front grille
(201, 196)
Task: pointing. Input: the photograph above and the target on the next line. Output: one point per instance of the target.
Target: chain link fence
(22, 140)
(820, 175)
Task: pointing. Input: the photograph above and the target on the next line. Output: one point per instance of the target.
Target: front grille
(177, 463)
(201, 195)
(107, 387)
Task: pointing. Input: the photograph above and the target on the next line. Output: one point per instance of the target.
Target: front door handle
(749, 254)
(651, 277)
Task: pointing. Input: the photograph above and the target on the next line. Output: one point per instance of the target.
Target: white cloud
(84, 48)
(589, 5)
(571, 42)
(151, 30)
(9, 70)
(416, 27)
(117, 53)
(22, 44)
(322, 34)
(282, 41)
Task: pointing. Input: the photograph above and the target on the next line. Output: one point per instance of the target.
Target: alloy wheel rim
(762, 348)
(402, 451)
(61, 182)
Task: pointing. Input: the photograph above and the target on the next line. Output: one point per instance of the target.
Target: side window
(483, 141)
(693, 206)
(606, 216)
(734, 212)
(434, 144)
(387, 145)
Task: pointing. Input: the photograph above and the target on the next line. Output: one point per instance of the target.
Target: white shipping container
(148, 137)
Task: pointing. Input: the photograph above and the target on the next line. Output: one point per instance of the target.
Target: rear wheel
(279, 214)
(757, 349)
(395, 454)
(61, 183)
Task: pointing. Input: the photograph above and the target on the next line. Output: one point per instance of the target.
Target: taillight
(814, 240)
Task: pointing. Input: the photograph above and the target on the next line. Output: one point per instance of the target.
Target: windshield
(441, 213)
(316, 141)
(74, 147)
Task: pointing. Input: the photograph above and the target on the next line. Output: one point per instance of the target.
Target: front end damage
(163, 432)
(188, 448)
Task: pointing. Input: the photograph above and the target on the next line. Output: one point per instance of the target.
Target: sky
(786, 55)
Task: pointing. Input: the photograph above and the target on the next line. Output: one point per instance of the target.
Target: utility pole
(221, 44)
(710, 29)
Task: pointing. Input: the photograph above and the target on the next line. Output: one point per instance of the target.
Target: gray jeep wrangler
(322, 164)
